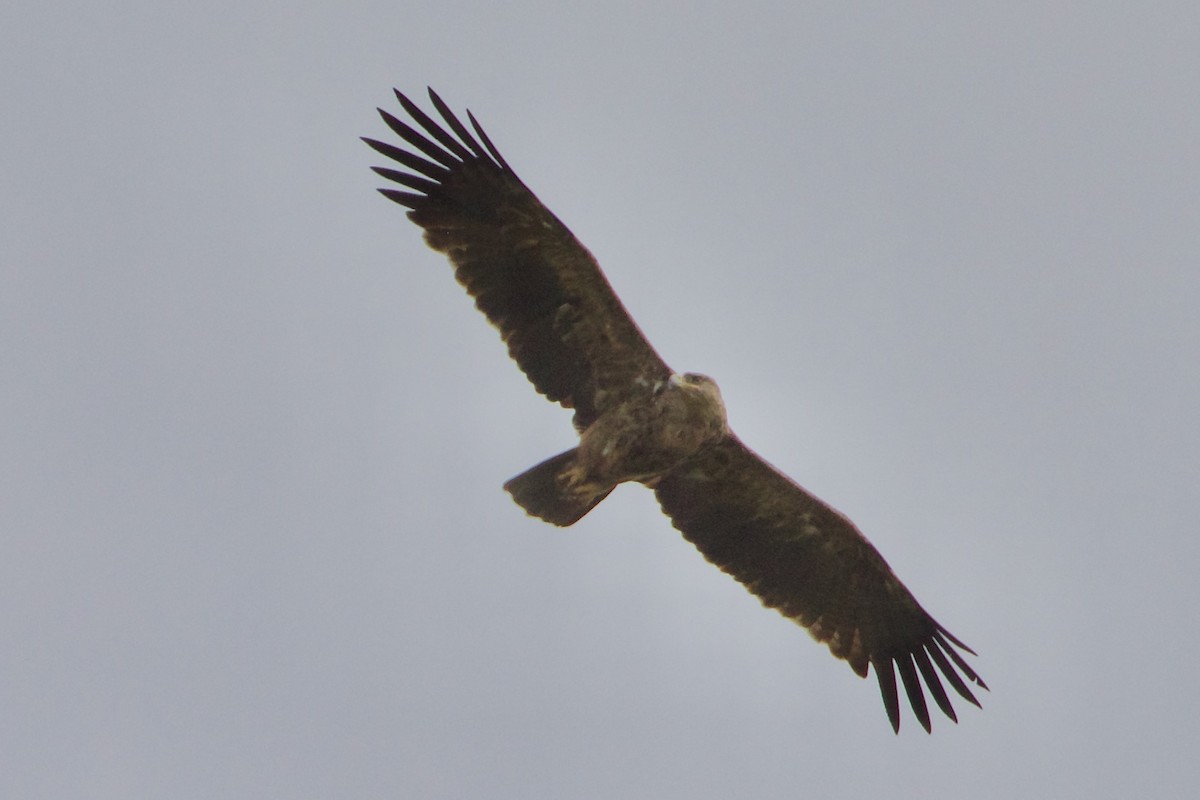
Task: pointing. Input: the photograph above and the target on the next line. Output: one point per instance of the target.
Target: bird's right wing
(804, 559)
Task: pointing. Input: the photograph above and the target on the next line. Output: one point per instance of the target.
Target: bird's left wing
(803, 558)
(562, 322)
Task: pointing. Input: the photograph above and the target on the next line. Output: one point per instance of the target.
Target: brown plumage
(638, 421)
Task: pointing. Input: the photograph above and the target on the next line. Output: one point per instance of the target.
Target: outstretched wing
(809, 562)
(561, 320)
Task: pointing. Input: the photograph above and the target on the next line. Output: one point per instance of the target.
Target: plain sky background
(943, 261)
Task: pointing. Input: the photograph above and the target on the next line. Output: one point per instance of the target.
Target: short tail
(544, 492)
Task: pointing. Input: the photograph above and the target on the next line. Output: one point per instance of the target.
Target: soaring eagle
(638, 420)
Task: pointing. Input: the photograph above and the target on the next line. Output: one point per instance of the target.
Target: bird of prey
(639, 421)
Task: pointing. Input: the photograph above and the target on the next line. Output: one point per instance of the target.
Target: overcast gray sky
(942, 261)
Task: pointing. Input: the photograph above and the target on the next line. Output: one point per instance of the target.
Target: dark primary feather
(561, 320)
(806, 560)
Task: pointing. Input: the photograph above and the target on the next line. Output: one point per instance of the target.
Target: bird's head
(703, 390)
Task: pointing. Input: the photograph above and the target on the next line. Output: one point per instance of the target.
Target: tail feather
(542, 493)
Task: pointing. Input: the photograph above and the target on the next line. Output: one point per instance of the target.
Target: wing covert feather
(803, 558)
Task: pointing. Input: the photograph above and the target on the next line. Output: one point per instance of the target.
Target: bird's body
(638, 421)
(640, 438)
